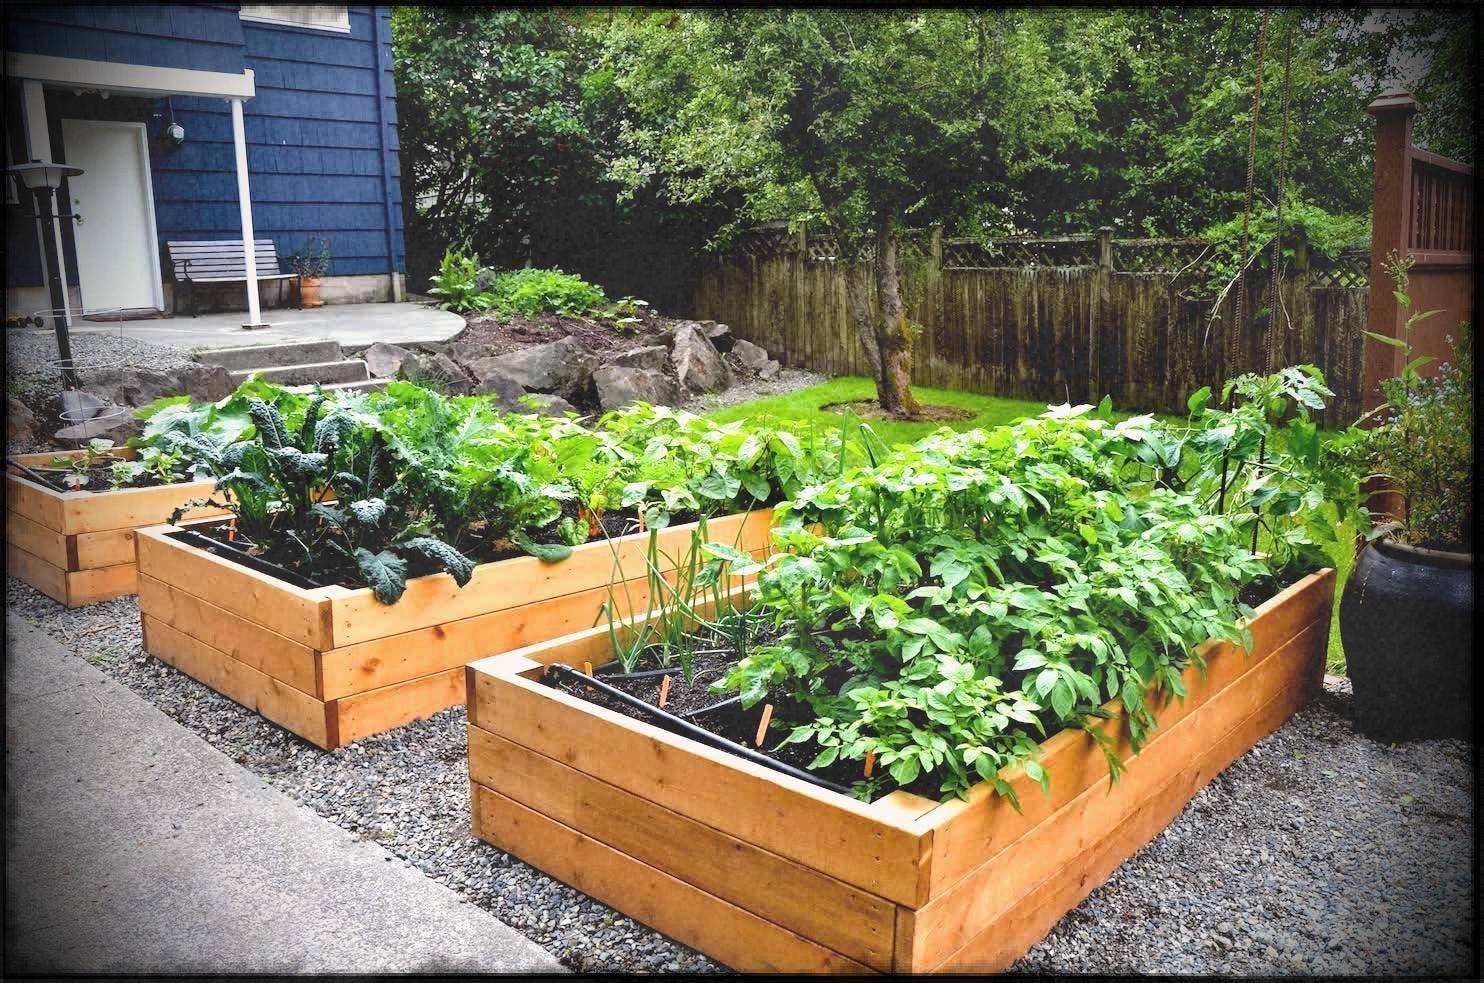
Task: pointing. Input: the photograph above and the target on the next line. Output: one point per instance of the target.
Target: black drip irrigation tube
(255, 563)
(34, 475)
(687, 729)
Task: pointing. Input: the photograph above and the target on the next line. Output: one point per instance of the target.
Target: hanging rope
(1278, 332)
(1239, 320)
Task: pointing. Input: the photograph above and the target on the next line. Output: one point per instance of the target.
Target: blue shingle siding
(321, 129)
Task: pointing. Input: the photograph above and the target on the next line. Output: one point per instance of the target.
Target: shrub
(457, 282)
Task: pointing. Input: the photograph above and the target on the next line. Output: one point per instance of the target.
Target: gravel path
(786, 381)
(1320, 852)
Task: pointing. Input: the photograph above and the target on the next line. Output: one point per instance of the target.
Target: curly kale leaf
(385, 573)
(444, 556)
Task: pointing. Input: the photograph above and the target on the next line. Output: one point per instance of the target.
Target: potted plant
(1406, 616)
(311, 264)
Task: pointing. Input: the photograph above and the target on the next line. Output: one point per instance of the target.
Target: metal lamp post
(42, 179)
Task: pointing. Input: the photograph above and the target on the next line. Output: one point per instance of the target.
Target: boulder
(490, 381)
(20, 425)
(563, 368)
(751, 357)
(620, 385)
(108, 421)
(549, 405)
(648, 357)
(436, 372)
(132, 385)
(384, 361)
(770, 369)
(719, 334)
(698, 365)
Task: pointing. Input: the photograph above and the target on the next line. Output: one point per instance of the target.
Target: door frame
(147, 176)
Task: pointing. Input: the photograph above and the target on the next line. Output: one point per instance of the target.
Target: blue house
(216, 122)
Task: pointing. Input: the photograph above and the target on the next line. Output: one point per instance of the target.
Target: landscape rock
(698, 365)
(770, 369)
(563, 368)
(549, 405)
(489, 380)
(647, 357)
(384, 361)
(108, 422)
(719, 334)
(132, 385)
(20, 424)
(437, 372)
(751, 357)
(620, 385)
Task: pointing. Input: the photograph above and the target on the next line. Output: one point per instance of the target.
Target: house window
(316, 16)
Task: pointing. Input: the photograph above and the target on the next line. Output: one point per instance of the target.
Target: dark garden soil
(99, 477)
(868, 409)
(499, 334)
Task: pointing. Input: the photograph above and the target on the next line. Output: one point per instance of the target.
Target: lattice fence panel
(1349, 268)
(971, 254)
(1189, 256)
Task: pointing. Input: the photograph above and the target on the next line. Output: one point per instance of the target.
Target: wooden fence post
(1390, 225)
(1102, 295)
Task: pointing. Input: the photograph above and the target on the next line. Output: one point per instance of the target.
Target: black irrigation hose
(685, 728)
(256, 563)
(698, 711)
(35, 475)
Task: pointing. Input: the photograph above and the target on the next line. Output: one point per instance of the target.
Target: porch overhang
(143, 80)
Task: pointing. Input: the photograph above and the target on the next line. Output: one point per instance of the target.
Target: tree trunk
(893, 330)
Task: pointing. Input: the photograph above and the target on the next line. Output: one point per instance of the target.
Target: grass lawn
(989, 411)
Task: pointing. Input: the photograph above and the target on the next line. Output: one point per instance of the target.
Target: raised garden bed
(769, 873)
(77, 547)
(333, 664)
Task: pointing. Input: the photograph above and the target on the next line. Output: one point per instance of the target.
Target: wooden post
(1102, 297)
(1390, 226)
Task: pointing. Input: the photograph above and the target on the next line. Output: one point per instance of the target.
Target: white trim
(39, 147)
(244, 205)
(133, 79)
(255, 18)
(147, 179)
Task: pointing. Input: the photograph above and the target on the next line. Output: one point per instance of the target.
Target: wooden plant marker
(587, 668)
(762, 725)
(870, 763)
(664, 691)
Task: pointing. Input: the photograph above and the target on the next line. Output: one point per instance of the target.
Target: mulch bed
(868, 409)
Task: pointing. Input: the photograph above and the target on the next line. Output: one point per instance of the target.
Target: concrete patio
(353, 325)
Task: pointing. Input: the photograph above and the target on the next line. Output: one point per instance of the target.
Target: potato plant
(946, 607)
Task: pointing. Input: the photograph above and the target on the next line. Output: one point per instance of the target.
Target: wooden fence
(1067, 319)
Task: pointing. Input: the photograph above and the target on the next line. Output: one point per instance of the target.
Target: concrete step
(349, 370)
(365, 385)
(271, 356)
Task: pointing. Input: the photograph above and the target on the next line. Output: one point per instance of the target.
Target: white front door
(118, 263)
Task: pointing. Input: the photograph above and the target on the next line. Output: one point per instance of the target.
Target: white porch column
(244, 203)
(39, 147)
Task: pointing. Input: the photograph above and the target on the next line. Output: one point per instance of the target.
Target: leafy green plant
(1424, 445)
(532, 291)
(457, 284)
(77, 470)
(313, 261)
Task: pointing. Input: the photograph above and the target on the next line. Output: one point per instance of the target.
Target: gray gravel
(1318, 853)
(786, 381)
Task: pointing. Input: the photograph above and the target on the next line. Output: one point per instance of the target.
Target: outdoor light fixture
(40, 175)
(175, 133)
(42, 178)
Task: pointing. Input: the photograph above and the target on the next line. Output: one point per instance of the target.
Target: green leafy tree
(865, 120)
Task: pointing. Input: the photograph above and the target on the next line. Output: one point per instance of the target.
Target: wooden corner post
(1390, 224)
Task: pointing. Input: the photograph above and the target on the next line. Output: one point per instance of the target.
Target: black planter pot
(1407, 622)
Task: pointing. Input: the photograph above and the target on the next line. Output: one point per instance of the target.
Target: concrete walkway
(353, 325)
(133, 847)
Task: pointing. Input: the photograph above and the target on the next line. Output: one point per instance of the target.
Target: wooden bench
(198, 264)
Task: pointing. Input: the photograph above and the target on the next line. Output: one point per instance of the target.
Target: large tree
(862, 120)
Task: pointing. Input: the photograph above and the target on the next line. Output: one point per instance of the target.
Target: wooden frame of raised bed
(769, 873)
(334, 665)
(77, 547)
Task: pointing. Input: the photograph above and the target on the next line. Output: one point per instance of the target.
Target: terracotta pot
(1406, 619)
(309, 292)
